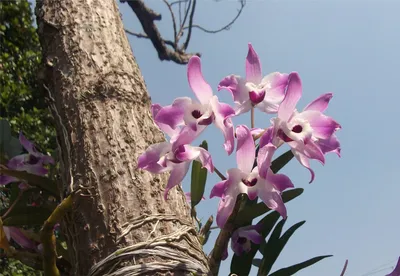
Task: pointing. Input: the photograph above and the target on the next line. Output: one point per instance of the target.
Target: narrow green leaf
(275, 246)
(5, 132)
(256, 262)
(42, 182)
(241, 265)
(290, 270)
(259, 209)
(199, 178)
(281, 161)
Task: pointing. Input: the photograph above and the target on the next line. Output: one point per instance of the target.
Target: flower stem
(13, 204)
(219, 174)
(223, 238)
(252, 118)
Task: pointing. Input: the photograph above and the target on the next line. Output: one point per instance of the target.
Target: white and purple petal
(331, 144)
(322, 126)
(236, 85)
(199, 86)
(178, 173)
(149, 160)
(293, 95)
(245, 150)
(320, 104)
(253, 66)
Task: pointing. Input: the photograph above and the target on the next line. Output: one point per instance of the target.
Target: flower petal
(155, 108)
(218, 189)
(280, 181)
(225, 208)
(264, 159)
(246, 150)
(304, 160)
(178, 173)
(236, 85)
(5, 179)
(331, 144)
(253, 66)
(320, 103)
(396, 271)
(200, 87)
(149, 160)
(322, 125)
(275, 86)
(28, 145)
(223, 112)
(272, 198)
(172, 115)
(252, 235)
(293, 95)
(189, 153)
(18, 236)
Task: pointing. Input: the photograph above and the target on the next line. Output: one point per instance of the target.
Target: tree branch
(146, 18)
(176, 53)
(224, 28)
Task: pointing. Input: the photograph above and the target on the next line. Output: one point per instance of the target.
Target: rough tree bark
(102, 111)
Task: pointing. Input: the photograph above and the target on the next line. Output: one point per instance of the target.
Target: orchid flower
(265, 93)
(396, 271)
(242, 238)
(19, 237)
(193, 114)
(32, 162)
(175, 157)
(244, 179)
(309, 133)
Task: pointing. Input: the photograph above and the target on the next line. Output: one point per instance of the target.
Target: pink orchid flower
(174, 156)
(15, 234)
(244, 179)
(32, 162)
(309, 133)
(185, 111)
(265, 93)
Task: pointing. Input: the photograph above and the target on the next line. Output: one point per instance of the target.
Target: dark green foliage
(21, 101)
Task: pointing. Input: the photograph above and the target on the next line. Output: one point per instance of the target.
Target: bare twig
(146, 17)
(173, 22)
(139, 35)
(13, 204)
(186, 44)
(187, 10)
(224, 28)
(219, 174)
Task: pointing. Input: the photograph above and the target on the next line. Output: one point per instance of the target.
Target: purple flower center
(297, 129)
(32, 160)
(196, 114)
(257, 98)
(250, 183)
(241, 240)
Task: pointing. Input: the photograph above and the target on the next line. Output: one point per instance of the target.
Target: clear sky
(350, 48)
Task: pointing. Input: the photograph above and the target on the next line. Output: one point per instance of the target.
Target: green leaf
(256, 262)
(290, 270)
(14, 148)
(281, 161)
(199, 178)
(259, 209)
(34, 180)
(5, 132)
(241, 265)
(26, 219)
(275, 246)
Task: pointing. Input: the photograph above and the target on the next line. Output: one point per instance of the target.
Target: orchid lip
(241, 240)
(250, 183)
(256, 98)
(196, 114)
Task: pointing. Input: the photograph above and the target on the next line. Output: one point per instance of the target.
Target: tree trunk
(102, 111)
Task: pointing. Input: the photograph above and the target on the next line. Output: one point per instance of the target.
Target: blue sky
(345, 47)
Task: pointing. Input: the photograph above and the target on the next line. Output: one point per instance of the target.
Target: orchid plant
(310, 134)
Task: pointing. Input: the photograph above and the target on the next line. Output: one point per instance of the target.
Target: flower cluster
(309, 133)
